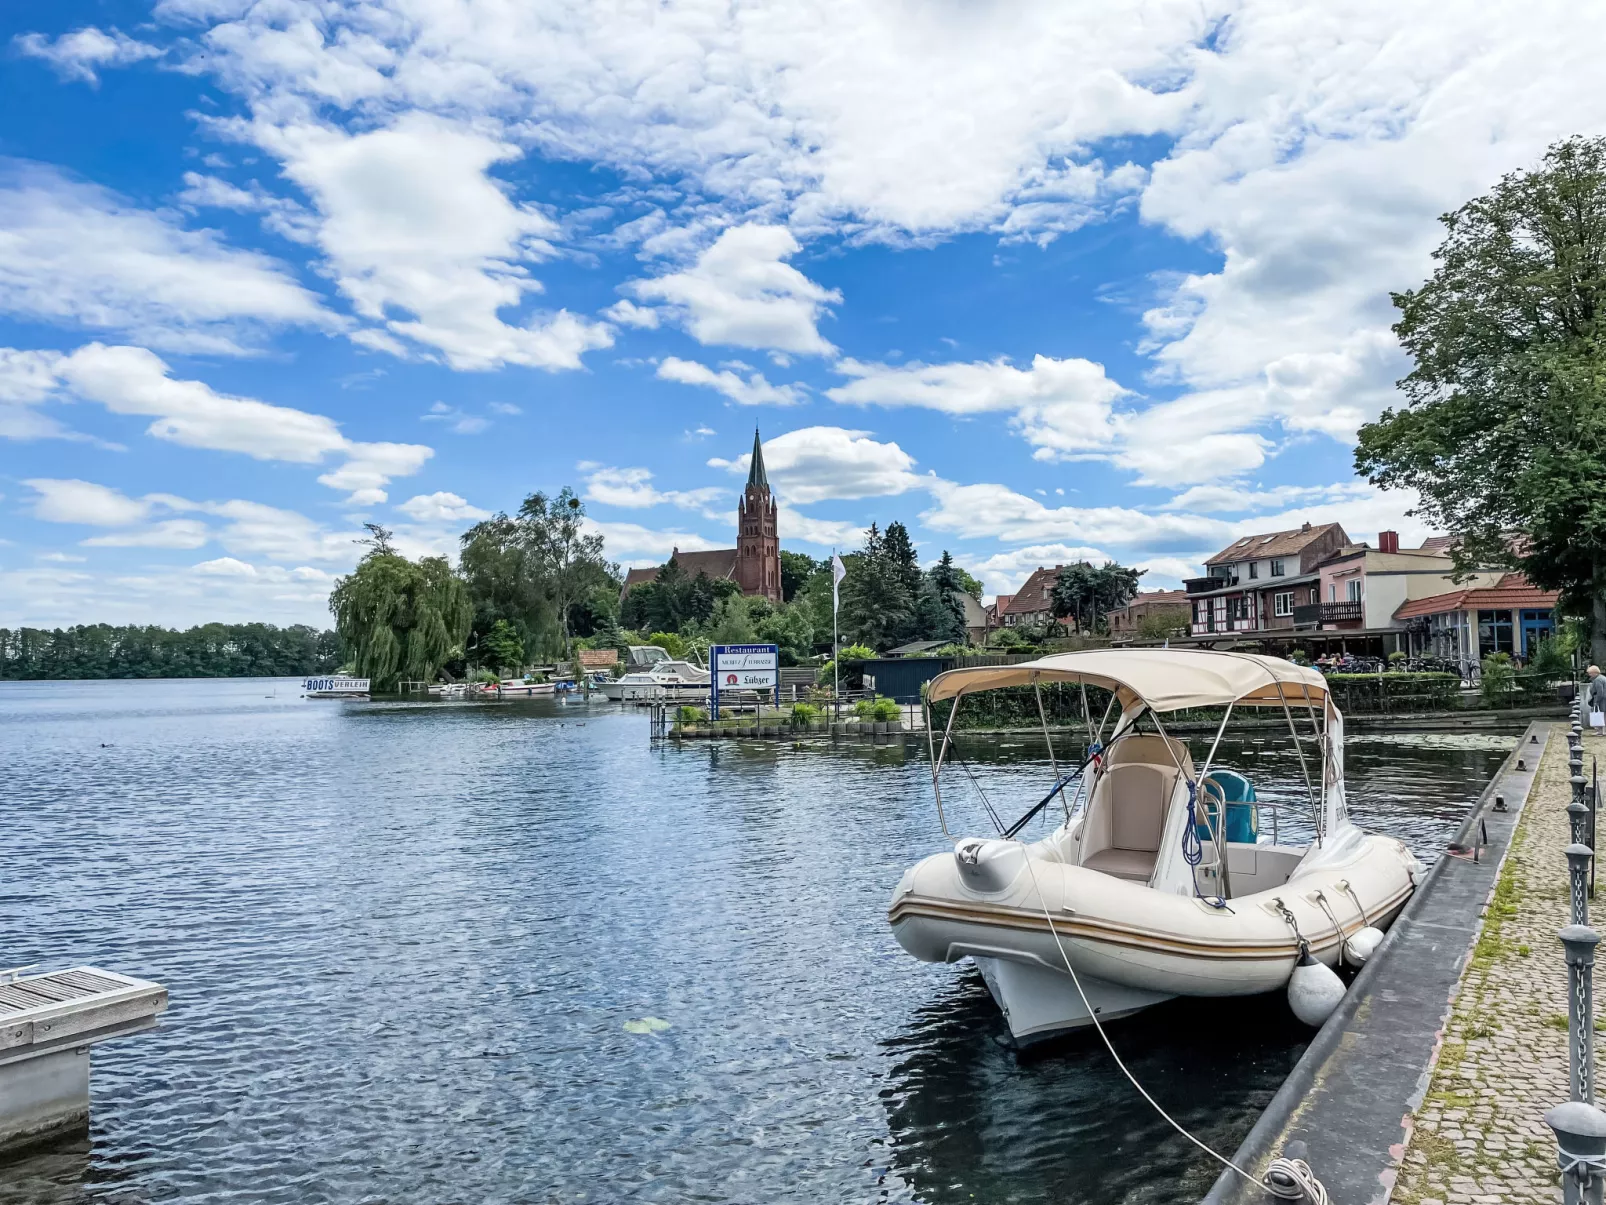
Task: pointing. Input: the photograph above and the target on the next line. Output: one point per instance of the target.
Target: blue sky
(1041, 280)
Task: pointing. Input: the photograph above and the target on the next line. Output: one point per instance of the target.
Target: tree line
(213, 650)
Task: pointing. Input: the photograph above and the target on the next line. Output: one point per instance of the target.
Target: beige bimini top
(1163, 679)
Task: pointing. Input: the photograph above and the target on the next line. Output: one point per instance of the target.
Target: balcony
(1328, 612)
(1203, 585)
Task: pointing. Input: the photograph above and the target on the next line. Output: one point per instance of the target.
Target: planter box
(894, 726)
(881, 728)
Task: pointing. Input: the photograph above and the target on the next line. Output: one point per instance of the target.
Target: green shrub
(690, 715)
(1499, 679)
(1396, 659)
(1550, 660)
(672, 643)
(884, 711)
(803, 714)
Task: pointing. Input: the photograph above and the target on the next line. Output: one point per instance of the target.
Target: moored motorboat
(1157, 882)
(673, 680)
(511, 687)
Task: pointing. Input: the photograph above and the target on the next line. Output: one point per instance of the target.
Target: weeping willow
(401, 619)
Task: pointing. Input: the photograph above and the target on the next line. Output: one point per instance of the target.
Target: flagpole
(836, 645)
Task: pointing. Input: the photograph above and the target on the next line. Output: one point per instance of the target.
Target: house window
(1332, 591)
(1282, 603)
(1494, 633)
(1254, 568)
(1352, 589)
(1278, 567)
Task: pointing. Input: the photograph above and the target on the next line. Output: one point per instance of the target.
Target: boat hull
(1132, 945)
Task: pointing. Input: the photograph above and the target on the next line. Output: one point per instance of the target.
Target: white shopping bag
(1597, 719)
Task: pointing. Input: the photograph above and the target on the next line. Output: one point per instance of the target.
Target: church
(755, 563)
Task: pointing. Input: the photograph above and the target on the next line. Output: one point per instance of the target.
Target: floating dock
(47, 1024)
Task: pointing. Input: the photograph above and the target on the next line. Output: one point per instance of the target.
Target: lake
(432, 952)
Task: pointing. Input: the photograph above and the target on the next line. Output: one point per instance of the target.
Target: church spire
(755, 474)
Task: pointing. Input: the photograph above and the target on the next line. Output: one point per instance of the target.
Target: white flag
(838, 572)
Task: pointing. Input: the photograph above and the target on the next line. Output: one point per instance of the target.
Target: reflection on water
(404, 943)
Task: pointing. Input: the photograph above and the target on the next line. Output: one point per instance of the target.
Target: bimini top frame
(1158, 681)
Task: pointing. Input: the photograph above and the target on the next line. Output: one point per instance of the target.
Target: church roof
(716, 563)
(755, 473)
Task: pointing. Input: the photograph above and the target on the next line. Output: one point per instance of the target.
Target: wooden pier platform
(47, 1024)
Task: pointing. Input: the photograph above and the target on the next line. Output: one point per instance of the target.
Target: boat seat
(1135, 799)
(1134, 864)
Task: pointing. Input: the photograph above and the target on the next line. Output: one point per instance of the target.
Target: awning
(1164, 679)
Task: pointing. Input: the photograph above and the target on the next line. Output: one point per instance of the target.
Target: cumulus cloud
(813, 464)
(441, 507)
(77, 255)
(1063, 407)
(633, 544)
(742, 293)
(80, 54)
(753, 390)
(170, 533)
(134, 380)
(73, 501)
(991, 511)
(632, 489)
(412, 223)
(627, 313)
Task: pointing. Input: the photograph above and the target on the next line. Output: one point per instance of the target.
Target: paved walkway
(1480, 1134)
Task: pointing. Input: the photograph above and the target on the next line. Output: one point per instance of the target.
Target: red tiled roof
(716, 563)
(1437, 544)
(1512, 590)
(1035, 596)
(1273, 543)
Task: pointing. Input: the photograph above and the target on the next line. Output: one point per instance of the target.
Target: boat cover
(1163, 679)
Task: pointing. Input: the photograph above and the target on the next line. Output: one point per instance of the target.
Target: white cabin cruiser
(665, 680)
(1157, 881)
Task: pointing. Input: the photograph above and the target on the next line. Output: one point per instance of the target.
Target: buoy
(1362, 945)
(1313, 990)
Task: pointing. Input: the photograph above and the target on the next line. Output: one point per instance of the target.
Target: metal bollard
(1578, 816)
(1578, 857)
(1580, 942)
(1581, 1151)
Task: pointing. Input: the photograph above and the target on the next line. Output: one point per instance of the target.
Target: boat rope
(975, 782)
(1288, 919)
(1344, 885)
(1286, 1179)
(1338, 929)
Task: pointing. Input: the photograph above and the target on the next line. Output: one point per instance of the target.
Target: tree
(1072, 596)
(1503, 431)
(970, 585)
(1087, 595)
(877, 606)
(796, 569)
(904, 581)
(941, 615)
(503, 646)
(400, 618)
(568, 559)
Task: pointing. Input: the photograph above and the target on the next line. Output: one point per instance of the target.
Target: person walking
(1595, 699)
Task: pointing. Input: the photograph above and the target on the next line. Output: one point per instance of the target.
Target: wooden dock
(47, 1024)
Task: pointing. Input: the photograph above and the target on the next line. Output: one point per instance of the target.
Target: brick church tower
(758, 542)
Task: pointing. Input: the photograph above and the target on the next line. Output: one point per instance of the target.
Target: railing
(1340, 612)
(1203, 585)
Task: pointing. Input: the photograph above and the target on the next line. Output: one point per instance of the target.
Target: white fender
(1314, 991)
(1362, 944)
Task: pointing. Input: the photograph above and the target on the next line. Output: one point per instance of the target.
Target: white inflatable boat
(1158, 880)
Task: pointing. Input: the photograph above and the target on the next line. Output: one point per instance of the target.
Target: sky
(1044, 281)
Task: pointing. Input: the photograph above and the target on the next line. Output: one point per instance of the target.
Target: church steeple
(758, 542)
(755, 473)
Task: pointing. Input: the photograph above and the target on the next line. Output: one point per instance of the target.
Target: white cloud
(741, 293)
(1005, 572)
(1237, 498)
(754, 390)
(632, 489)
(627, 313)
(632, 544)
(75, 255)
(133, 380)
(824, 532)
(279, 214)
(226, 566)
(1062, 407)
(170, 533)
(77, 55)
(813, 464)
(441, 507)
(413, 225)
(984, 510)
(75, 501)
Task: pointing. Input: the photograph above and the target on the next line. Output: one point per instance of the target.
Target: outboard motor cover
(989, 865)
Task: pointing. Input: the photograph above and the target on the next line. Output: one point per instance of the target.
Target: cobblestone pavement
(1480, 1134)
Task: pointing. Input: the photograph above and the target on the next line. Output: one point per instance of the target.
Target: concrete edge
(1261, 1143)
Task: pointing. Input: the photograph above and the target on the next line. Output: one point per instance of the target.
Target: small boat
(1158, 881)
(665, 680)
(338, 687)
(518, 686)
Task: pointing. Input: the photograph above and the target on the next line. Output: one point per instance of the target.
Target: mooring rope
(1286, 1179)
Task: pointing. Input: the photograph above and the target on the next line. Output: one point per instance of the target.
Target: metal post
(1578, 859)
(1580, 942)
(1581, 1151)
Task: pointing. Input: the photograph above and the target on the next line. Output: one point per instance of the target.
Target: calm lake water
(404, 941)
